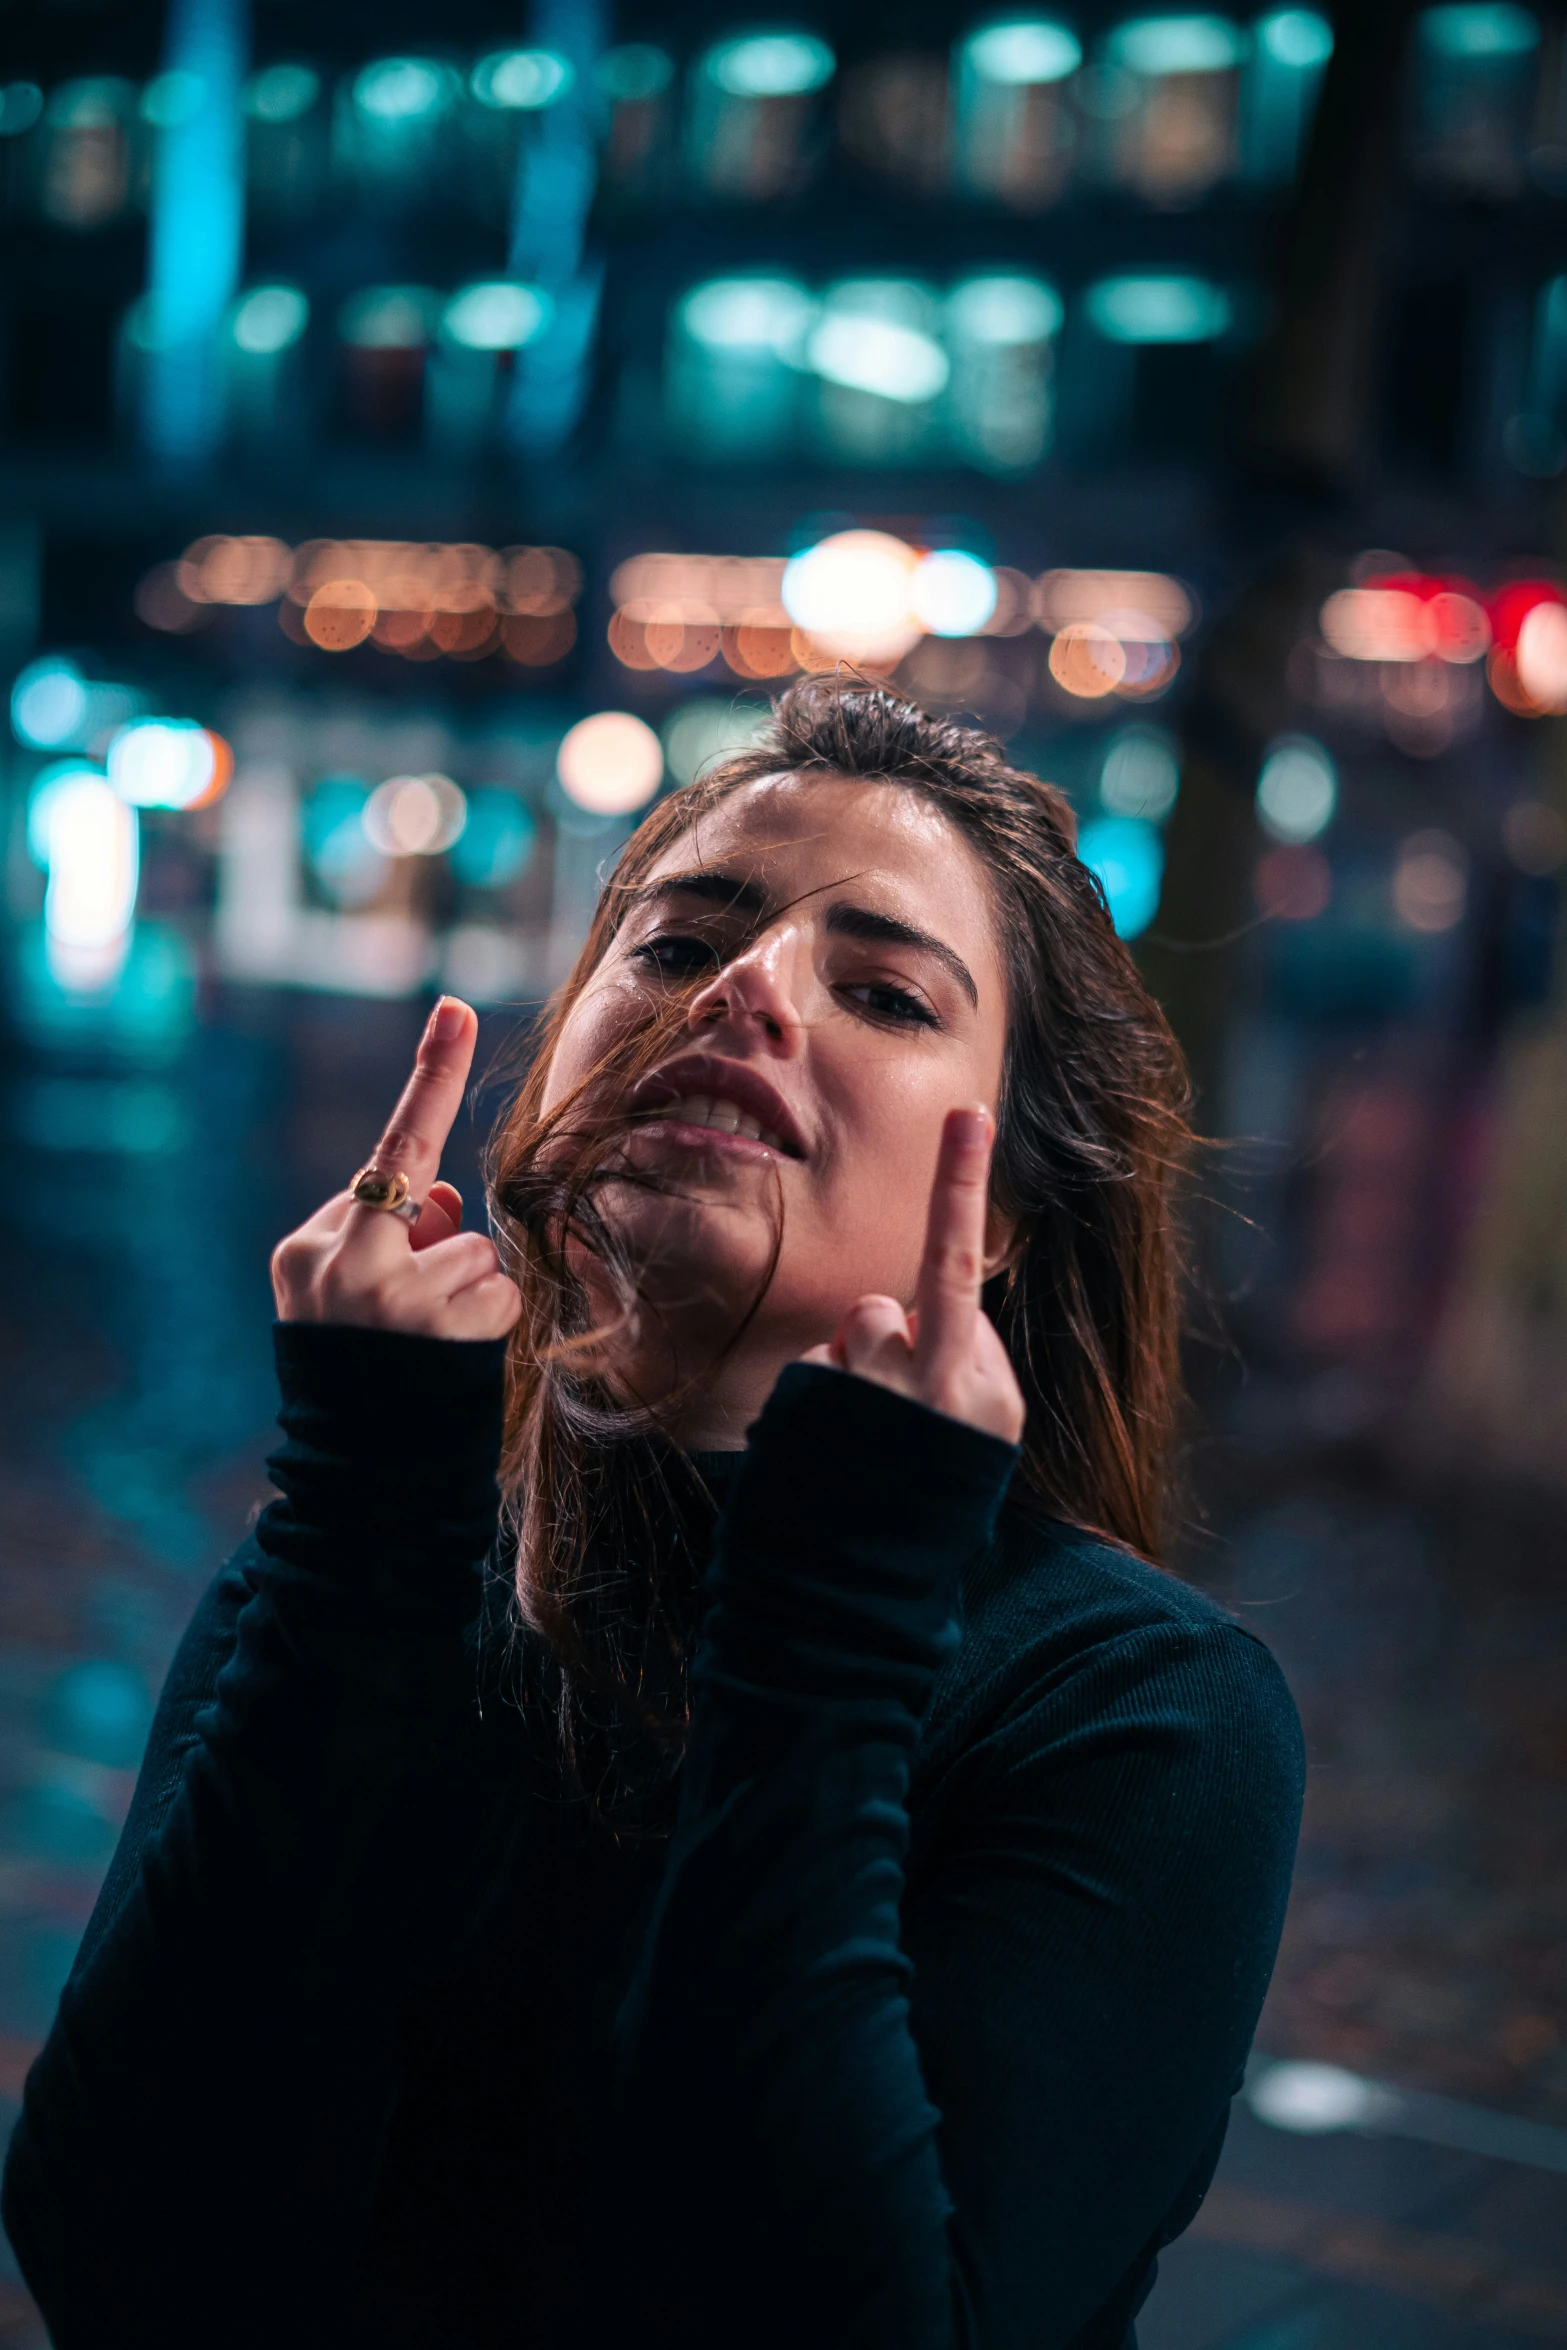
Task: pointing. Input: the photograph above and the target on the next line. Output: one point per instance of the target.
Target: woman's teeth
(721, 1117)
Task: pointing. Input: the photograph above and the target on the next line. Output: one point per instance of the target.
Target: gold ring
(373, 1187)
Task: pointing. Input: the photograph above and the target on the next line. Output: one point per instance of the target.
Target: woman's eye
(883, 1001)
(677, 956)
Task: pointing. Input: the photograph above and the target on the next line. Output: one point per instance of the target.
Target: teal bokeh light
(1127, 857)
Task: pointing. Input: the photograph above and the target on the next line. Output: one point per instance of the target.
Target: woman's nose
(754, 991)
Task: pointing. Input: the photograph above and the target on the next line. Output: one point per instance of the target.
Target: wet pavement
(1423, 1627)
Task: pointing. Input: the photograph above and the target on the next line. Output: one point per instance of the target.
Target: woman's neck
(706, 1391)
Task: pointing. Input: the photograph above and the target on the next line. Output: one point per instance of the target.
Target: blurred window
(21, 103)
(1166, 94)
(1159, 307)
(636, 82)
(1289, 54)
(752, 111)
(384, 331)
(393, 127)
(1014, 124)
(878, 371)
(736, 348)
(388, 318)
(880, 368)
(892, 118)
(1474, 71)
(285, 138)
(282, 93)
(1536, 438)
(84, 173)
(1001, 333)
(520, 80)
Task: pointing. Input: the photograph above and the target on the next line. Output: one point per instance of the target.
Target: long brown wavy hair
(1092, 1141)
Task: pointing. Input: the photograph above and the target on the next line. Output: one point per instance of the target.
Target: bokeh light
(1023, 51)
(1535, 837)
(951, 593)
(397, 90)
(1430, 881)
(520, 79)
(92, 846)
(270, 318)
(748, 314)
(49, 703)
(1158, 45)
(1297, 790)
(340, 614)
(1158, 307)
(168, 763)
(497, 843)
(1541, 656)
(1087, 660)
(282, 93)
(1141, 774)
(1297, 37)
(881, 355)
(388, 318)
(851, 594)
(497, 314)
(415, 815)
(1005, 310)
(46, 787)
(1493, 28)
(610, 763)
(337, 849)
(1127, 857)
(770, 65)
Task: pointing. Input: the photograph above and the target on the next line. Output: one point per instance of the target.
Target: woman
(493, 1962)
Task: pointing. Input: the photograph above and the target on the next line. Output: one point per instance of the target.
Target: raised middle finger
(953, 1268)
(416, 1132)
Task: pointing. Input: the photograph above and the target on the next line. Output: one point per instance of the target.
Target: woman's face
(833, 942)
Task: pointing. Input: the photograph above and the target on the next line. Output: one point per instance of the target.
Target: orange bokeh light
(340, 615)
(1087, 661)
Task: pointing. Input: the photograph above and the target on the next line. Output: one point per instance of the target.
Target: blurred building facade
(425, 442)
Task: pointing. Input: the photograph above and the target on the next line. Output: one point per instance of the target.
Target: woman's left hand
(947, 1353)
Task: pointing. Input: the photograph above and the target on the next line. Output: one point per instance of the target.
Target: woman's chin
(707, 1243)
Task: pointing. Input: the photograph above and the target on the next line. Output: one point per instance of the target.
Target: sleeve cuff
(839, 1554)
(843, 1458)
(391, 1444)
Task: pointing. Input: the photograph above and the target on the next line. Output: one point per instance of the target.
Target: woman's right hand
(360, 1265)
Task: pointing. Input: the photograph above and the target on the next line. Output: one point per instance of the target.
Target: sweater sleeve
(202, 2129)
(951, 2114)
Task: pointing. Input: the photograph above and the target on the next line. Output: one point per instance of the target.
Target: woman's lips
(691, 1134)
(712, 1104)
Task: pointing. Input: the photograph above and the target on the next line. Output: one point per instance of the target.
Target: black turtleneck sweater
(905, 2014)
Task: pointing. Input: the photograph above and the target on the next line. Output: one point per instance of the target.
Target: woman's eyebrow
(718, 889)
(861, 922)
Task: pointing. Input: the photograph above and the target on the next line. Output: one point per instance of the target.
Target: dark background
(1368, 394)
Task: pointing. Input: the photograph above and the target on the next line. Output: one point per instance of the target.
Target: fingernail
(973, 1127)
(446, 1021)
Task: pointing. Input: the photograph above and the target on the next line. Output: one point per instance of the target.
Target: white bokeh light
(1297, 790)
(1311, 2099)
(610, 763)
(952, 594)
(414, 815)
(851, 593)
(162, 763)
